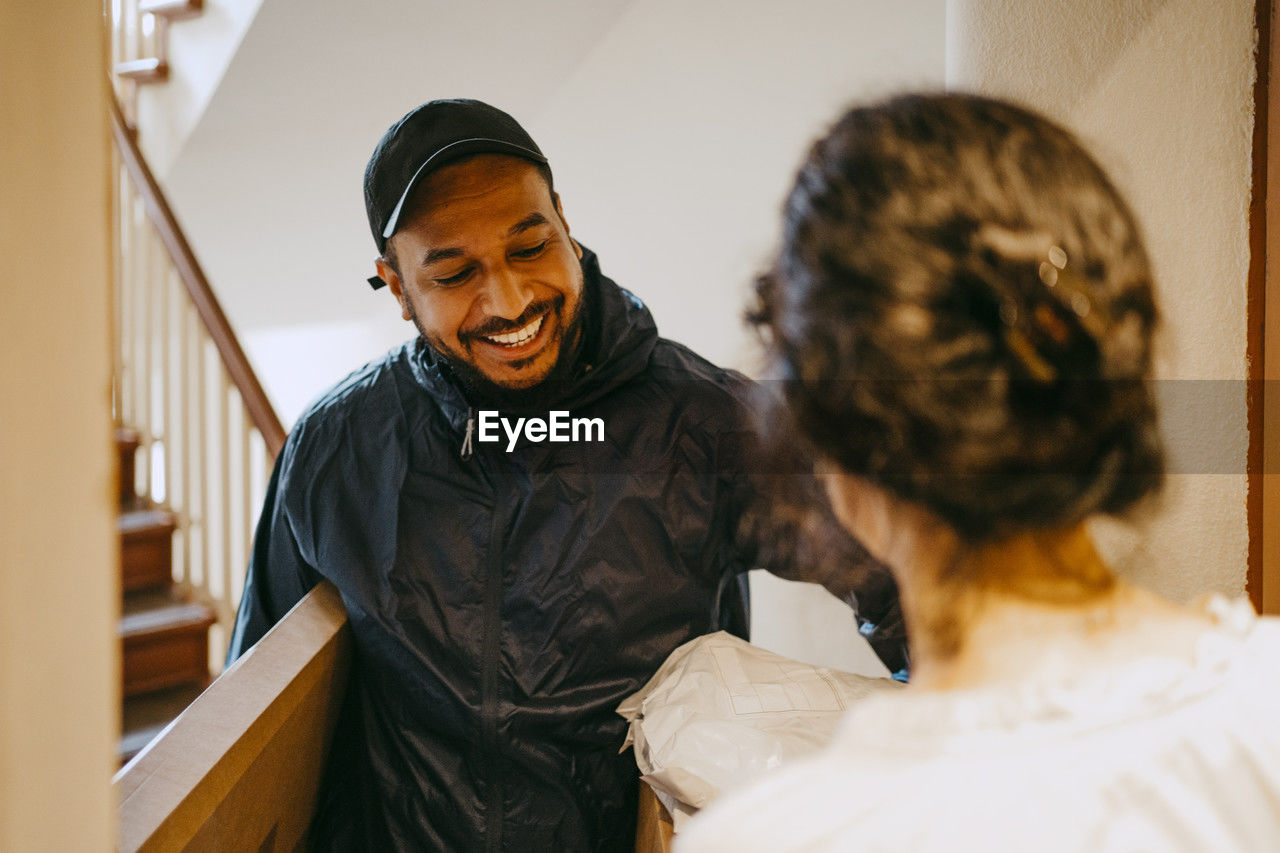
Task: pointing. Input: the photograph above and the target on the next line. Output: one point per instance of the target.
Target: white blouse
(1162, 755)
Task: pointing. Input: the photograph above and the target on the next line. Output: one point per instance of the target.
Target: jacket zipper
(492, 649)
(471, 429)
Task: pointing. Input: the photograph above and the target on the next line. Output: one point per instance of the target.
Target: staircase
(164, 634)
(155, 68)
(196, 435)
(140, 42)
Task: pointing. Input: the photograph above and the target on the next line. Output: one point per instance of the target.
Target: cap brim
(451, 152)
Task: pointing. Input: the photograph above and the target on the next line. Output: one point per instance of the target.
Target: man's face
(488, 273)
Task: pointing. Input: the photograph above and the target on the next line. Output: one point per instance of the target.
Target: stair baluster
(203, 434)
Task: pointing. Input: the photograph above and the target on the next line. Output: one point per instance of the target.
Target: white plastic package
(720, 712)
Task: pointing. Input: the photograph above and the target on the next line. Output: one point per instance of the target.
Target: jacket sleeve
(278, 576)
(784, 524)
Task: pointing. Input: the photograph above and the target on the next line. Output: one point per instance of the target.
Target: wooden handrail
(193, 278)
(240, 769)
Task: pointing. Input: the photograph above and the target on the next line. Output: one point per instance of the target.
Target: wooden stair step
(147, 715)
(165, 642)
(146, 545)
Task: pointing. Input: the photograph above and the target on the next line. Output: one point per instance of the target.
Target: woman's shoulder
(1228, 657)
(1244, 649)
(1262, 639)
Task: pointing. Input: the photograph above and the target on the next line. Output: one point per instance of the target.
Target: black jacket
(504, 603)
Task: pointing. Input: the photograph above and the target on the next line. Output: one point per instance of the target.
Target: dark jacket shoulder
(701, 387)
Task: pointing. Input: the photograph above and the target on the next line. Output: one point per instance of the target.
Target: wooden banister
(240, 769)
(197, 286)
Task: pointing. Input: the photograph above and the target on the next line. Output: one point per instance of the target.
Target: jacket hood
(619, 335)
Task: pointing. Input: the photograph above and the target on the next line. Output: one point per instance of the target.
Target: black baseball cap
(434, 134)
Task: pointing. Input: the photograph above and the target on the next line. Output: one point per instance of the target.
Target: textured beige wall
(58, 665)
(1161, 90)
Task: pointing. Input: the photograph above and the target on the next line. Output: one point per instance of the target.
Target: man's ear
(387, 274)
(577, 250)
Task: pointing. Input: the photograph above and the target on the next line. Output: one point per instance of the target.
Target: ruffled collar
(933, 721)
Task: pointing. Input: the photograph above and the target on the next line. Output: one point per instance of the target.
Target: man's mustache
(499, 326)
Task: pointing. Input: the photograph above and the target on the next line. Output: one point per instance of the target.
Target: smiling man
(491, 277)
(505, 596)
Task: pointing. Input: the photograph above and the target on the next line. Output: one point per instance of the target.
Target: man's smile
(520, 336)
(520, 347)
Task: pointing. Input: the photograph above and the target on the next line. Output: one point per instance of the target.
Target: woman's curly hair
(961, 312)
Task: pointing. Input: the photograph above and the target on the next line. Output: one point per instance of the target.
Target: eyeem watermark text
(556, 427)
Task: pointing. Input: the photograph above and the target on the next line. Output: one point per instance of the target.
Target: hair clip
(1046, 327)
(1074, 293)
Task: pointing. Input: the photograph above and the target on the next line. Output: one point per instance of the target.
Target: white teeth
(518, 337)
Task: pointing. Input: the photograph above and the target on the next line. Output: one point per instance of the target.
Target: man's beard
(483, 392)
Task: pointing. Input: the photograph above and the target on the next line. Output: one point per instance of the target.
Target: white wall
(676, 137)
(1161, 90)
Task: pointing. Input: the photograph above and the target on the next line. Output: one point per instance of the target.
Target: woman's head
(961, 312)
